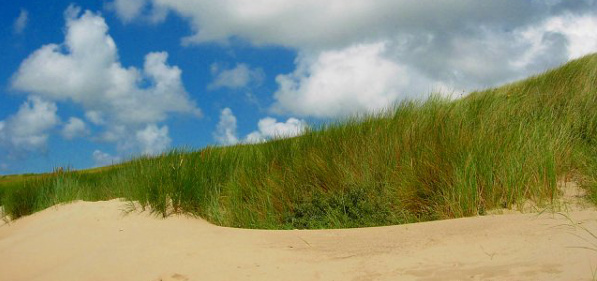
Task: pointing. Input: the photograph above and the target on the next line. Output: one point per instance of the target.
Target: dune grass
(427, 160)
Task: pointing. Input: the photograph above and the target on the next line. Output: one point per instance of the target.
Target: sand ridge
(96, 241)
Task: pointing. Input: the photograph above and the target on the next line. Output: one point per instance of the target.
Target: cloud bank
(425, 46)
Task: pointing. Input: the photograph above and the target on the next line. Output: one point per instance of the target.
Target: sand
(96, 241)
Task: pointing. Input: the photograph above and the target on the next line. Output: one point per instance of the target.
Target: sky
(90, 83)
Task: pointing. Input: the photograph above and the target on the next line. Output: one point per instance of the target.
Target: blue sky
(89, 83)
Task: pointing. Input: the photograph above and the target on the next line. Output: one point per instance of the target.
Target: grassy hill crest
(422, 161)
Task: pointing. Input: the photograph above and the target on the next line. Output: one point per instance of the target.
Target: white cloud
(74, 128)
(101, 159)
(127, 10)
(343, 82)
(366, 77)
(86, 71)
(153, 140)
(269, 128)
(20, 23)
(429, 45)
(90, 74)
(580, 32)
(226, 129)
(27, 130)
(238, 77)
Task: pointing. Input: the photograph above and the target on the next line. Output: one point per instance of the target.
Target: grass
(421, 161)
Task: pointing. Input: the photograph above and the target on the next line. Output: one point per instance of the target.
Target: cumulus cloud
(429, 45)
(85, 70)
(341, 82)
(269, 128)
(28, 129)
(153, 140)
(226, 129)
(20, 23)
(101, 159)
(74, 128)
(238, 77)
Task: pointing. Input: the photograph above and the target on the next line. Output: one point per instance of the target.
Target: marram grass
(421, 161)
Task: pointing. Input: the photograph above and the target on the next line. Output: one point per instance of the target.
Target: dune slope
(97, 241)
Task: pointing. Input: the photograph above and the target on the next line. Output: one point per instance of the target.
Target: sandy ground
(96, 241)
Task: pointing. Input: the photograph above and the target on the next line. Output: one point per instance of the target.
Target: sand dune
(95, 241)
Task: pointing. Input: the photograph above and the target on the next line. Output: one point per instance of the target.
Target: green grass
(421, 161)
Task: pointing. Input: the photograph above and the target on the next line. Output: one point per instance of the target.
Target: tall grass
(421, 161)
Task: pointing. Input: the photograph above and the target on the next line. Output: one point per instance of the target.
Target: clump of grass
(421, 161)
(25, 197)
(31, 194)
